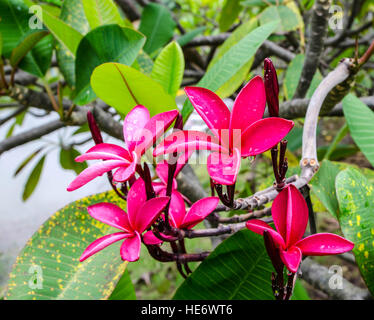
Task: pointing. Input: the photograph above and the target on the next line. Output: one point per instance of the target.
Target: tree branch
(30, 135)
(315, 46)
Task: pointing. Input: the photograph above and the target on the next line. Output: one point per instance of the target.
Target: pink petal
(291, 258)
(136, 197)
(322, 244)
(135, 120)
(105, 151)
(130, 248)
(263, 135)
(94, 171)
(259, 226)
(149, 212)
(154, 129)
(224, 168)
(182, 161)
(185, 141)
(199, 211)
(290, 214)
(210, 107)
(177, 208)
(158, 187)
(249, 105)
(111, 215)
(125, 173)
(102, 243)
(150, 238)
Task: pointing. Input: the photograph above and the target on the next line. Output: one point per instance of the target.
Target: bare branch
(30, 135)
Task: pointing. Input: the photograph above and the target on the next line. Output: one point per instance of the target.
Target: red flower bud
(95, 131)
(271, 88)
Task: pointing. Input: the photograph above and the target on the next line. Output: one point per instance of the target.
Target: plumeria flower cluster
(158, 212)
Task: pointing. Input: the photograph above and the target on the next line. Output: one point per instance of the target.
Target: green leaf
(323, 186)
(101, 12)
(26, 161)
(340, 152)
(356, 217)
(288, 18)
(67, 160)
(230, 12)
(360, 120)
(238, 78)
(238, 269)
(188, 36)
(14, 26)
(169, 67)
(124, 289)
(53, 254)
(33, 179)
(72, 13)
(232, 61)
(129, 87)
(63, 32)
(339, 136)
(20, 51)
(157, 25)
(109, 43)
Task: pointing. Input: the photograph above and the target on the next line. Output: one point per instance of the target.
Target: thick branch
(315, 46)
(30, 135)
(309, 162)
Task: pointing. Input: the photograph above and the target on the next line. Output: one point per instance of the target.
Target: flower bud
(95, 131)
(271, 88)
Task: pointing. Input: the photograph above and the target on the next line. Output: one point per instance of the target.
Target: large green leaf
(63, 32)
(360, 121)
(232, 61)
(169, 67)
(17, 35)
(124, 289)
(238, 269)
(356, 202)
(53, 254)
(123, 87)
(110, 43)
(157, 25)
(230, 12)
(72, 13)
(20, 51)
(239, 77)
(101, 12)
(323, 185)
(288, 18)
(33, 179)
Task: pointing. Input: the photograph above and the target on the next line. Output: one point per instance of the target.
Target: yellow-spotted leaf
(356, 202)
(48, 268)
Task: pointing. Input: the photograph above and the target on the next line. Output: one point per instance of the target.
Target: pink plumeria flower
(237, 134)
(290, 216)
(140, 132)
(139, 217)
(183, 219)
